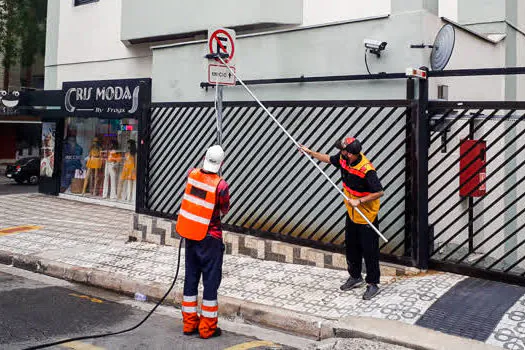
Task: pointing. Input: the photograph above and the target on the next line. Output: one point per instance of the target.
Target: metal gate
(452, 172)
(476, 214)
(275, 191)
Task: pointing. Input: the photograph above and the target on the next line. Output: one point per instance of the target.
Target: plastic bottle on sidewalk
(140, 297)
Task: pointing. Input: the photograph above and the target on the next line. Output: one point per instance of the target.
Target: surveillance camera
(375, 44)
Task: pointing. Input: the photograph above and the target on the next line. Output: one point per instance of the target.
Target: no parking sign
(221, 41)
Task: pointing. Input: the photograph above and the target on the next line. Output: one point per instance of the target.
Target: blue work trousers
(204, 258)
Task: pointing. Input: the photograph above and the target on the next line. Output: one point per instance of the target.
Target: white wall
(449, 9)
(120, 69)
(89, 46)
(520, 96)
(470, 11)
(330, 50)
(322, 11)
(521, 14)
(333, 50)
(469, 52)
(154, 18)
(92, 33)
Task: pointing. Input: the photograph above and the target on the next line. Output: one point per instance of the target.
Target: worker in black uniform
(363, 188)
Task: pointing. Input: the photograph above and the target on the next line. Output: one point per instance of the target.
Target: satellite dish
(443, 47)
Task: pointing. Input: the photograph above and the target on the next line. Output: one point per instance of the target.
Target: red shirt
(222, 206)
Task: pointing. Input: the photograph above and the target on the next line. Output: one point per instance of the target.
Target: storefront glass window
(100, 157)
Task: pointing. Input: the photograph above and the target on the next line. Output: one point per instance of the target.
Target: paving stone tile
(98, 240)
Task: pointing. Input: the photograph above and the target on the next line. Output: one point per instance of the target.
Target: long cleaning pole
(299, 146)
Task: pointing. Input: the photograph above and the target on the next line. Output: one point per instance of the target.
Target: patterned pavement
(95, 237)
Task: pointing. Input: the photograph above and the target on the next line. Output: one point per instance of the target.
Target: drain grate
(471, 309)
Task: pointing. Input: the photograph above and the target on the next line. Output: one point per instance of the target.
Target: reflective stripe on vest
(355, 193)
(360, 169)
(195, 218)
(198, 204)
(370, 208)
(198, 201)
(201, 185)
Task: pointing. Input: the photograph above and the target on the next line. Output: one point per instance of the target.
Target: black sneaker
(371, 291)
(352, 283)
(193, 332)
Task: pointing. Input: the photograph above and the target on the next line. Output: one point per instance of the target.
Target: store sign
(104, 99)
(9, 102)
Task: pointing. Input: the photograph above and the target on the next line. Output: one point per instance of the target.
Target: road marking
(93, 300)
(80, 346)
(254, 344)
(18, 229)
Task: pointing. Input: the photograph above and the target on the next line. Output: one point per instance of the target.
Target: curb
(291, 322)
(387, 331)
(399, 333)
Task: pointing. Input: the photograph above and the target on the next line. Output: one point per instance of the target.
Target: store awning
(20, 119)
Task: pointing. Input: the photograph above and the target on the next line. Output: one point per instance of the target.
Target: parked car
(25, 170)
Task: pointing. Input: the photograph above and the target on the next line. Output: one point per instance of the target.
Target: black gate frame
(408, 118)
(417, 147)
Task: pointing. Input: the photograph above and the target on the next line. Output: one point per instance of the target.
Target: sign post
(219, 114)
(221, 55)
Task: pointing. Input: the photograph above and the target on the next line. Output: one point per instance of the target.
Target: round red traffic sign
(229, 49)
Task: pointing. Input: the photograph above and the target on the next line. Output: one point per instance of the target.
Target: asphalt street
(36, 309)
(9, 186)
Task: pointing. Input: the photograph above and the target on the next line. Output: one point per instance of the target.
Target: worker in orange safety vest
(199, 221)
(362, 186)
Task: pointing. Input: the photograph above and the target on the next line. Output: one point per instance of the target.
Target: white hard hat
(214, 158)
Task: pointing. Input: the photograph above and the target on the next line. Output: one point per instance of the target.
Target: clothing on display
(108, 170)
(72, 161)
(129, 172)
(93, 165)
(111, 172)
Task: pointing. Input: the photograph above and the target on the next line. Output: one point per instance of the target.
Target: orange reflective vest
(197, 205)
(369, 209)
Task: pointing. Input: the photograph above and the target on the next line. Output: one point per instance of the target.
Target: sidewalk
(87, 243)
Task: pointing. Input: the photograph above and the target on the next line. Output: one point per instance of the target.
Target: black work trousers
(362, 242)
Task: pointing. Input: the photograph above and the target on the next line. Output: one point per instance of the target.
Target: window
(83, 2)
(99, 158)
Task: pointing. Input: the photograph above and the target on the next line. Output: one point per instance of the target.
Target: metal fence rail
(274, 188)
(482, 234)
(441, 209)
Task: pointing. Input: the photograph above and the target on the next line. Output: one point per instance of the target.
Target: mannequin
(72, 160)
(111, 171)
(129, 172)
(47, 164)
(93, 165)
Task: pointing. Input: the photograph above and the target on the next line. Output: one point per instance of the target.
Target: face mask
(345, 157)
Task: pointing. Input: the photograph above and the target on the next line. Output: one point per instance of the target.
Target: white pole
(299, 146)
(218, 112)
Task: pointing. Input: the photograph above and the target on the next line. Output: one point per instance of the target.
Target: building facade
(20, 133)
(98, 44)
(165, 40)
